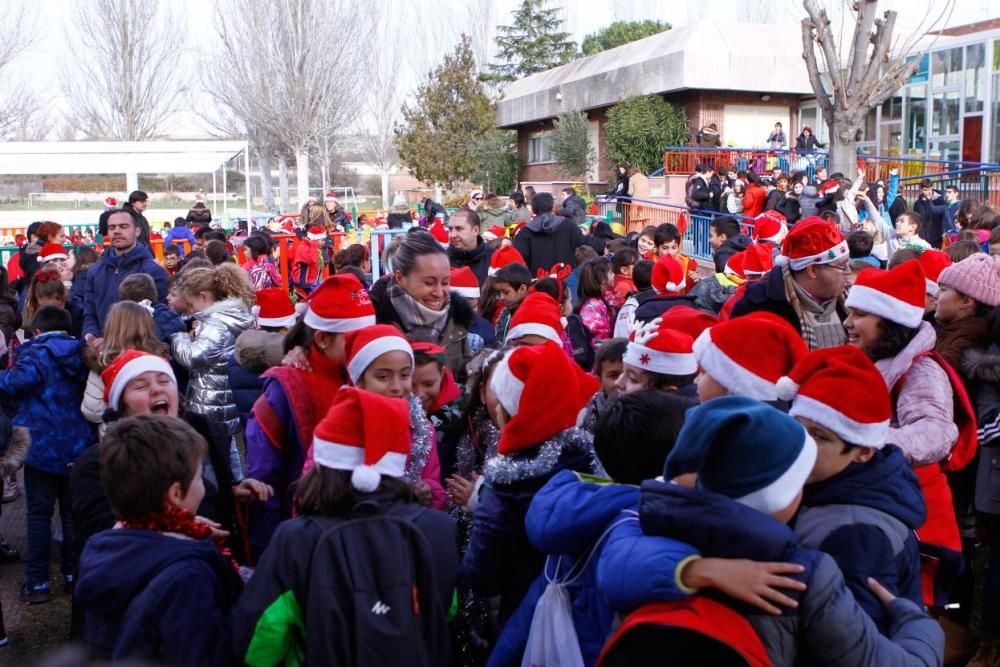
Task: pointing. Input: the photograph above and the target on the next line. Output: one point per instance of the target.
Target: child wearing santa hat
(355, 510)
(534, 395)
(885, 320)
(308, 264)
(862, 501)
(296, 396)
(658, 357)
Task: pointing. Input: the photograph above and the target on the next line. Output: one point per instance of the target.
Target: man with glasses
(806, 286)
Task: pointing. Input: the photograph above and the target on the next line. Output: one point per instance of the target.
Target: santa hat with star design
(656, 348)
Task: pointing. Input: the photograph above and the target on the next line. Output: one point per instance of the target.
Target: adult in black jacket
(807, 141)
(548, 239)
(199, 215)
(932, 207)
(432, 209)
(466, 247)
(574, 208)
(136, 205)
(698, 195)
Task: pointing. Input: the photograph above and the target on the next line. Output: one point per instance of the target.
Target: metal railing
(981, 183)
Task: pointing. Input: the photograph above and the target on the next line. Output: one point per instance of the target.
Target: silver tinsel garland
(503, 469)
(420, 441)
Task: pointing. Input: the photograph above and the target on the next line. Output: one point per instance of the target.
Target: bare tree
(277, 72)
(755, 11)
(36, 125)
(848, 85)
(123, 77)
(17, 26)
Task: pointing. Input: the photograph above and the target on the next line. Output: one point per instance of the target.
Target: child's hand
(693, 276)
(749, 581)
(297, 357)
(894, 172)
(250, 490)
(460, 489)
(93, 342)
(422, 490)
(861, 172)
(881, 592)
(217, 531)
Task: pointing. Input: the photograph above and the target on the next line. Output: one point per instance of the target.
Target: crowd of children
(787, 460)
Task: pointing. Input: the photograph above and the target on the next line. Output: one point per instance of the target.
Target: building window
(538, 149)
(975, 77)
(916, 119)
(920, 76)
(946, 67)
(945, 119)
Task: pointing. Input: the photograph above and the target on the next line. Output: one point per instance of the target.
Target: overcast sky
(39, 68)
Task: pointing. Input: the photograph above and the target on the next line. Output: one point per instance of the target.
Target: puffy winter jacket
(729, 247)
(982, 367)
(207, 357)
(548, 240)
(46, 386)
(102, 280)
(641, 564)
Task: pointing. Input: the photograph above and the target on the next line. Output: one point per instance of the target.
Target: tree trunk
(286, 205)
(302, 176)
(266, 184)
(384, 174)
(843, 148)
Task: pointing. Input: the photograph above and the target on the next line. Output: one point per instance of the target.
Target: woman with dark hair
(417, 299)
(519, 212)
(595, 308)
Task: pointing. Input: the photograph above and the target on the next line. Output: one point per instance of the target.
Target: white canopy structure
(124, 157)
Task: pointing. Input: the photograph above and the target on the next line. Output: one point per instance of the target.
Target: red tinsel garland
(182, 522)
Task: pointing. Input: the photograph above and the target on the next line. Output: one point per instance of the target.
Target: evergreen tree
(570, 145)
(639, 127)
(450, 111)
(494, 159)
(532, 44)
(618, 33)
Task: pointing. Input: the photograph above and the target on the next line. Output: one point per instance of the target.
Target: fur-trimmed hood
(16, 451)
(982, 365)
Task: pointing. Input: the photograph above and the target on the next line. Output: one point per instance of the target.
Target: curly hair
(222, 282)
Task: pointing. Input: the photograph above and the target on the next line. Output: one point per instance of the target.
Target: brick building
(743, 78)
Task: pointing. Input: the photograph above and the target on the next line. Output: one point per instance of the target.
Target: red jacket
(753, 200)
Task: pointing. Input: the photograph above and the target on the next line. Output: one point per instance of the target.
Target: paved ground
(33, 630)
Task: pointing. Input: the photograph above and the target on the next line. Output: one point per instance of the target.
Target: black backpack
(583, 344)
(371, 597)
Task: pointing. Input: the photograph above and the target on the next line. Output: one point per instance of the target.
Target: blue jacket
(247, 386)
(567, 518)
(827, 628)
(46, 385)
(499, 559)
(157, 598)
(167, 321)
(100, 290)
(865, 517)
(179, 234)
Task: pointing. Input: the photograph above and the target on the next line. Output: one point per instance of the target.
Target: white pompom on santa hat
(668, 275)
(366, 433)
(840, 389)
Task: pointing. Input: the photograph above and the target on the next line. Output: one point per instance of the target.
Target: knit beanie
(745, 450)
(977, 277)
(542, 390)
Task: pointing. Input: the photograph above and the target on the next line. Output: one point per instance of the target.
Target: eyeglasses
(842, 268)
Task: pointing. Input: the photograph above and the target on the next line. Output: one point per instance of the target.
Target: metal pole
(246, 184)
(225, 190)
(215, 192)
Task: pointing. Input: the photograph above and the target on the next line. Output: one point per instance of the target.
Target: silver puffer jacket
(207, 357)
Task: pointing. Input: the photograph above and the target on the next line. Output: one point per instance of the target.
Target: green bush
(639, 127)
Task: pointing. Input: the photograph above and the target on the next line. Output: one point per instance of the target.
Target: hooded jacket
(982, 368)
(489, 217)
(46, 385)
(157, 597)
(254, 353)
(500, 560)
(729, 247)
(477, 259)
(102, 280)
(865, 517)
(827, 628)
(574, 209)
(548, 240)
(207, 357)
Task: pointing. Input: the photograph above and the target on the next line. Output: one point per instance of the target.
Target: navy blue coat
(932, 217)
(102, 280)
(167, 321)
(158, 598)
(247, 386)
(865, 517)
(46, 386)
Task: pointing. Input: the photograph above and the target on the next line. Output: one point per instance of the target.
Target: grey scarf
(419, 322)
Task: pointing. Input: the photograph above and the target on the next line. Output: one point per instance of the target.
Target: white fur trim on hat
(534, 328)
(667, 363)
(350, 457)
(850, 431)
(506, 386)
(839, 251)
(132, 370)
(315, 237)
(336, 324)
(780, 493)
(374, 349)
(735, 378)
(933, 289)
(53, 257)
(468, 292)
(286, 321)
(885, 306)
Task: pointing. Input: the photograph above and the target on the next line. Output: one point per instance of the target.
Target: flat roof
(702, 55)
(116, 157)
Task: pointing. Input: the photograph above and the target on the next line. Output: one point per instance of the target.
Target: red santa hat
(542, 390)
(734, 266)
(812, 241)
(668, 275)
(340, 304)
(274, 308)
(656, 348)
(750, 370)
(933, 263)
(688, 320)
(439, 232)
(503, 257)
(828, 187)
(464, 282)
(316, 233)
(495, 232)
(366, 433)
(51, 252)
(840, 389)
(757, 260)
(770, 226)
(363, 346)
(110, 201)
(129, 365)
(537, 315)
(330, 197)
(898, 295)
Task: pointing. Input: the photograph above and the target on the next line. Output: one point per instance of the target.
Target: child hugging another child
(442, 399)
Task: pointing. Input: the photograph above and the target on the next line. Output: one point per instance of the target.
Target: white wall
(748, 125)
